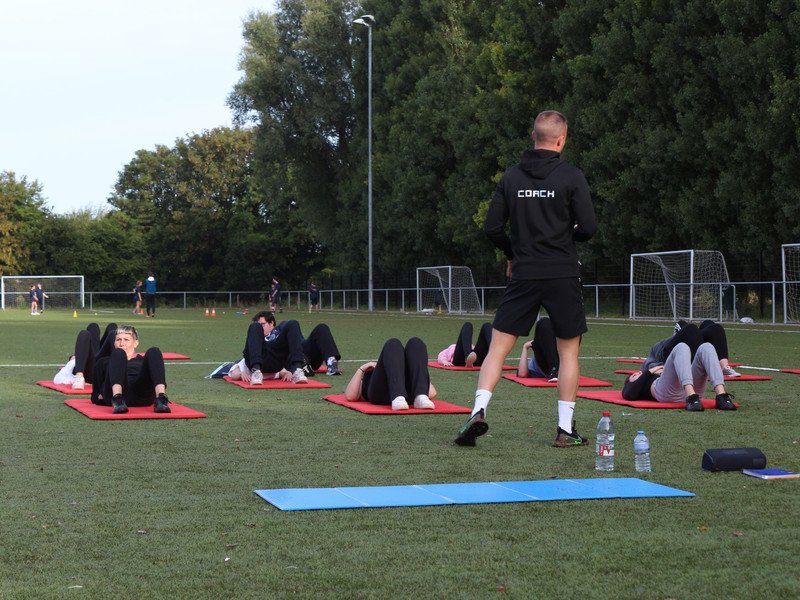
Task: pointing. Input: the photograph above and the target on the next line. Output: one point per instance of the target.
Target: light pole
(368, 21)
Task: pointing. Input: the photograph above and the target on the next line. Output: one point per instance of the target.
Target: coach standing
(150, 294)
(548, 206)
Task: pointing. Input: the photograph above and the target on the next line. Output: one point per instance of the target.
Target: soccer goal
(63, 291)
(790, 265)
(682, 284)
(453, 286)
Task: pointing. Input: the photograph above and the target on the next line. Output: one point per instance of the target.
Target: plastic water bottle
(604, 445)
(641, 452)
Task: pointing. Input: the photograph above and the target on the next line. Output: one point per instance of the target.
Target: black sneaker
(475, 427)
(552, 376)
(566, 439)
(693, 403)
(725, 402)
(162, 404)
(118, 402)
(308, 371)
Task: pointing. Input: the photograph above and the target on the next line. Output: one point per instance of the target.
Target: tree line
(684, 115)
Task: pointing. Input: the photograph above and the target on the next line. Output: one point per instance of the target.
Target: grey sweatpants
(680, 370)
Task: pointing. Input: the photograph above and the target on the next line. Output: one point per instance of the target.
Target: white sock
(482, 398)
(565, 412)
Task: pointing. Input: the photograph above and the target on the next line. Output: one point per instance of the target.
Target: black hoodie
(549, 206)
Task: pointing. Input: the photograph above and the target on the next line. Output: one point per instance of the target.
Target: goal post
(454, 285)
(790, 269)
(680, 284)
(63, 291)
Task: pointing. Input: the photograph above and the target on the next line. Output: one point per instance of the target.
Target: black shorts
(561, 298)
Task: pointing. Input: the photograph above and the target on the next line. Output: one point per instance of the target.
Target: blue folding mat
(438, 494)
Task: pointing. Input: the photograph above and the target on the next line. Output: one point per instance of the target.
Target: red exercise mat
(279, 384)
(442, 407)
(66, 388)
(170, 356)
(543, 382)
(641, 360)
(97, 412)
(615, 397)
(436, 365)
(742, 377)
(795, 371)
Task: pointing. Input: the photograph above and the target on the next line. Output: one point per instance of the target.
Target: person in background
(40, 297)
(32, 298)
(313, 297)
(275, 296)
(137, 297)
(150, 289)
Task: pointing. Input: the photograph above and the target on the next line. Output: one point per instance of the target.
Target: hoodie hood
(540, 163)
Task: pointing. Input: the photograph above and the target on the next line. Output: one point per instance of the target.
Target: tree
(22, 211)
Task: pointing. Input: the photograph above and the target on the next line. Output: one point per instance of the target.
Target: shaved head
(549, 130)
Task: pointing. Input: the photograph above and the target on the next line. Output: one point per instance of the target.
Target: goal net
(62, 291)
(682, 284)
(452, 287)
(790, 263)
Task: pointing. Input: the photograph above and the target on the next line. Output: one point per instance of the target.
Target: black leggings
(399, 372)
(89, 347)
(545, 350)
(138, 377)
(693, 336)
(464, 344)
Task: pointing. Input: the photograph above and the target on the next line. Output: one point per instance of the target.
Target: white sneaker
(78, 383)
(729, 372)
(298, 376)
(423, 402)
(256, 377)
(399, 403)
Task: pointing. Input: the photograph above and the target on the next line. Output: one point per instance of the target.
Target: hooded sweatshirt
(549, 206)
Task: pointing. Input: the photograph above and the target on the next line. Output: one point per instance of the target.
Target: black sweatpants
(399, 372)
(89, 347)
(289, 350)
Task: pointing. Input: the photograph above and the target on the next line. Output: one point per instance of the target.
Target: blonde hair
(129, 330)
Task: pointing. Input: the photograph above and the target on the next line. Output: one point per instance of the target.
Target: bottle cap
(606, 413)
(640, 431)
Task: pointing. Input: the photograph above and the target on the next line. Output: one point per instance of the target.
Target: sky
(85, 84)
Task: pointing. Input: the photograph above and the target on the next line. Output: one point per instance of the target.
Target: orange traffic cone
(213, 312)
(206, 312)
(141, 311)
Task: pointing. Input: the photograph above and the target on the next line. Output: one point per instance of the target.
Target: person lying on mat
(88, 347)
(544, 362)
(281, 349)
(463, 353)
(682, 377)
(125, 378)
(399, 375)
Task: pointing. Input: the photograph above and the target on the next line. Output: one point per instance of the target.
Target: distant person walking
(33, 300)
(313, 297)
(137, 297)
(275, 296)
(150, 294)
(40, 297)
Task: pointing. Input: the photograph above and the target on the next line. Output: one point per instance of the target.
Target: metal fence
(760, 300)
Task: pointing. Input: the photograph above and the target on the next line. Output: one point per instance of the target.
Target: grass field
(165, 509)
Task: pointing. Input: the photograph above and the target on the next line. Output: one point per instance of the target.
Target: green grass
(165, 509)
